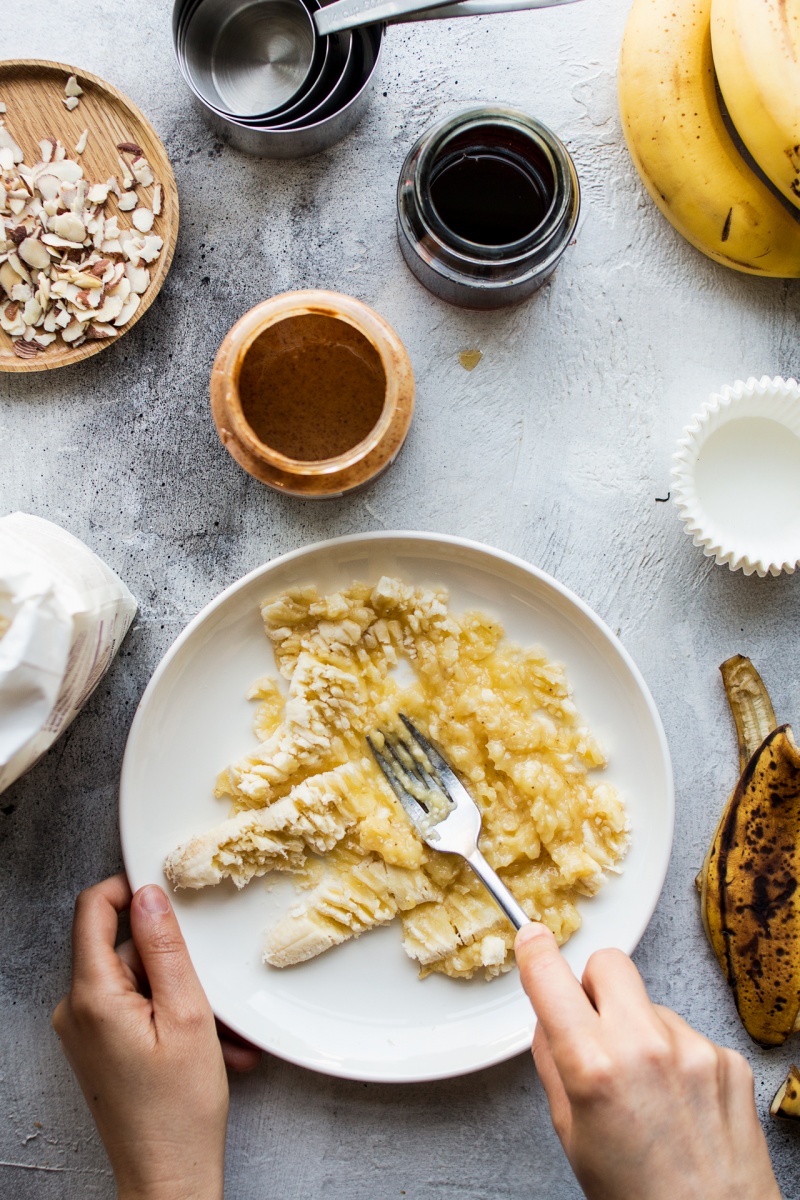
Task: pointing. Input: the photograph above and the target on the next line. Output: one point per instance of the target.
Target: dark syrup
(490, 197)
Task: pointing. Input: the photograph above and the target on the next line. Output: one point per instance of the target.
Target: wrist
(190, 1187)
(182, 1191)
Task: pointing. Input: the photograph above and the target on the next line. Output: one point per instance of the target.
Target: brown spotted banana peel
(680, 145)
(749, 896)
(786, 1101)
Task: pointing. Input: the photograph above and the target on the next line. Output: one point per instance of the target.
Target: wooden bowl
(33, 93)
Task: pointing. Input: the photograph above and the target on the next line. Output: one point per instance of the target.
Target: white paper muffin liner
(737, 477)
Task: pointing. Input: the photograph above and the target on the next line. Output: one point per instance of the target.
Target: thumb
(174, 985)
(560, 1003)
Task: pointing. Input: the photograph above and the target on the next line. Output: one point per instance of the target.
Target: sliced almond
(22, 292)
(129, 308)
(72, 88)
(85, 280)
(127, 201)
(142, 172)
(71, 102)
(151, 248)
(69, 226)
(47, 186)
(7, 142)
(52, 239)
(80, 145)
(111, 308)
(120, 289)
(24, 349)
(66, 169)
(34, 253)
(32, 311)
(158, 199)
(97, 331)
(98, 193)
(139, 278)
(72, 332)
(127, 175)
(143, 220)
(19, 266)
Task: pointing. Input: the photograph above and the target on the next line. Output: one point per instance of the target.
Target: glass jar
(286, 416)
(487, 203)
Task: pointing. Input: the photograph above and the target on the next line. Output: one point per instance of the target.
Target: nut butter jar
(312, 392)
(487, 203)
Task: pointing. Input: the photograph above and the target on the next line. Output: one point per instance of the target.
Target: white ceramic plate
(360, 1011)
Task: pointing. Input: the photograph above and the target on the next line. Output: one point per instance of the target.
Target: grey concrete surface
(555, 447)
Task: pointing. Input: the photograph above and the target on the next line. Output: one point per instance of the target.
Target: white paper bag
(63, 614)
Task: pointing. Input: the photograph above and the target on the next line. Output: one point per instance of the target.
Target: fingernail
(153, 899)
(528, 933)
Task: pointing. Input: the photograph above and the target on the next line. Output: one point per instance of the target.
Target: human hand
(140, 1035)
(645, 1107)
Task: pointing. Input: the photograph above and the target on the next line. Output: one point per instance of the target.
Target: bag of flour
(63, 614)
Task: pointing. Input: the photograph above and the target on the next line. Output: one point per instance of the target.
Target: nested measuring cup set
(288, 78)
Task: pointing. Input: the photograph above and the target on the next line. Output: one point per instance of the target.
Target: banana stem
(750, 704)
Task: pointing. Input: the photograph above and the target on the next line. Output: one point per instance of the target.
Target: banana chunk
(343, 906)
(464, 934)
(326, 705)
(314, 816)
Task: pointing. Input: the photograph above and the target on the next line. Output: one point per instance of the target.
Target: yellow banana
(680, 146)
(756, 45)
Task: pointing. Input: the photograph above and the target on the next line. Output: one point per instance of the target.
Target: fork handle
(497, 889)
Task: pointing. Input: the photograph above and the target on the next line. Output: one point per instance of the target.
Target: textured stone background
(554, 448)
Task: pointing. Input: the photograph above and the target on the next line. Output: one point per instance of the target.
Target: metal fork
(409, 762)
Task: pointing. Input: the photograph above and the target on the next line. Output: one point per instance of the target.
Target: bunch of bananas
(729, 182)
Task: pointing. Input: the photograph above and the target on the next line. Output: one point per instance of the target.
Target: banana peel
(751, 706)
(786, 1101)
(749, 895)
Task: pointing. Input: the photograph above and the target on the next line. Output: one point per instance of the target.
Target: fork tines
(405, 763)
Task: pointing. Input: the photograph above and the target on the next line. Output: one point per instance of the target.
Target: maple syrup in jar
(487, 203)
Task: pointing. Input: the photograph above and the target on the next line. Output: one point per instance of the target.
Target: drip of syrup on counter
(490, 197)
(312, 387)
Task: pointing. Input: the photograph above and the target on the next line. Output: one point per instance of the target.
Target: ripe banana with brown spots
(681, 147)
(750, 898)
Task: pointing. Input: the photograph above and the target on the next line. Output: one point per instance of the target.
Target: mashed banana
(311, 800)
